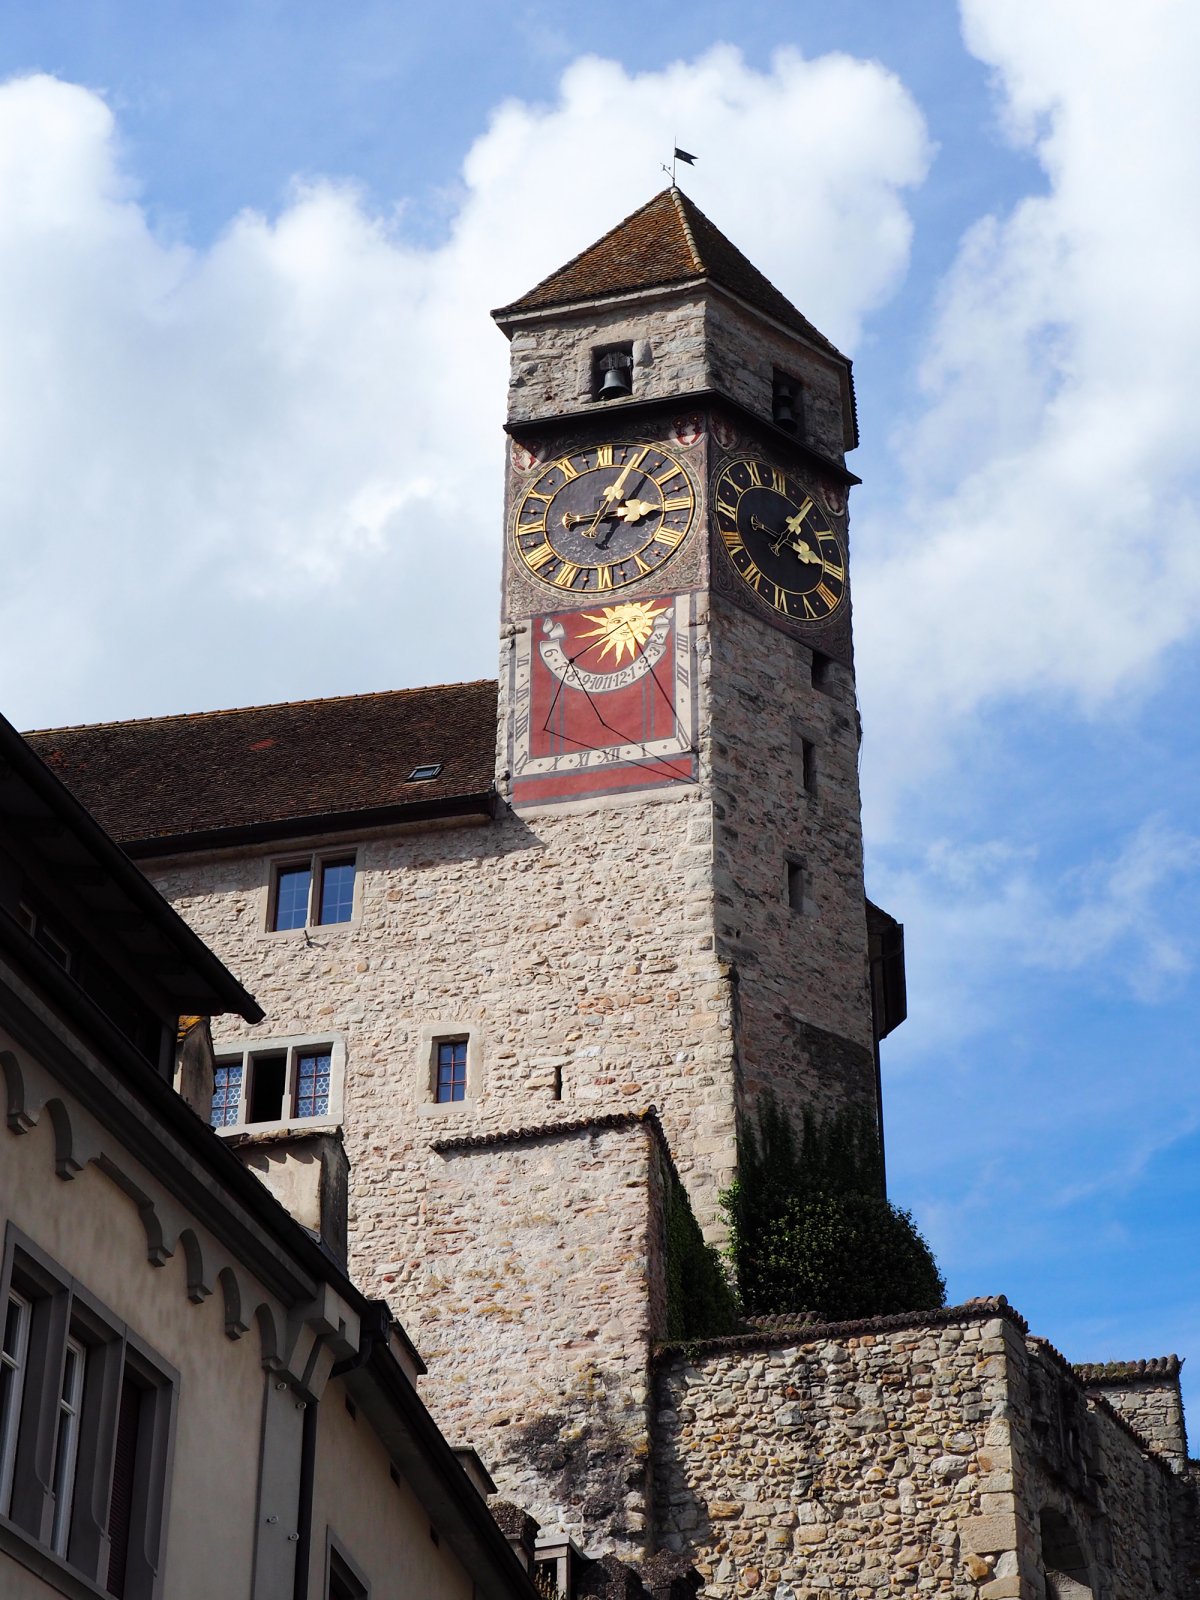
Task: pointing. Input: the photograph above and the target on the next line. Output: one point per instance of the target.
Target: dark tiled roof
(781, 1331)
(667, 241)
(264, 768)
(550, 1130)
(1154, 1369)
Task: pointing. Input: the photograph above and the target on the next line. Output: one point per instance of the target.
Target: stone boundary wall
(544, 1291)
(939, 1454)
(1147, 1394)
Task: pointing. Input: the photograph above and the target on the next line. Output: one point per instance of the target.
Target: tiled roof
(1152, 1369)
(667, 241)
(261, 768)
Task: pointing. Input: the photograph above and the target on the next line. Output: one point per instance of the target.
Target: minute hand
(793, 525)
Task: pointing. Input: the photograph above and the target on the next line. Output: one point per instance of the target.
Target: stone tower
(677, 657)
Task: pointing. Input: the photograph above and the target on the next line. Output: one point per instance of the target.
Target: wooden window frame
(316, 863)
(64, 1515)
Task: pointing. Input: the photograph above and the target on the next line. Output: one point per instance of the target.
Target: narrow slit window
(808, 766)
(122, 1496)
(797, 886)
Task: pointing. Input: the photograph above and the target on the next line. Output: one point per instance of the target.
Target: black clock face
(603, 517)
(782, 541)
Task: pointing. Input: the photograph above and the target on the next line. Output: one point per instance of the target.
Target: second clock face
(781, 540)
(603, 517)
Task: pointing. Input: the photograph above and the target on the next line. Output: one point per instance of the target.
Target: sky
(250, 451)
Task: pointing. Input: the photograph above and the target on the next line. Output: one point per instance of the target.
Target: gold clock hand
(634, 510)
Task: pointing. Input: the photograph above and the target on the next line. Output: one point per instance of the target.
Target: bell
(785, 412)
(615, 384)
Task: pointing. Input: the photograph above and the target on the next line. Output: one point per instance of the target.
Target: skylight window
(429, 770)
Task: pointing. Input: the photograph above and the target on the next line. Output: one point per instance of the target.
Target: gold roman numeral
(567, 470)
(755, 475)
(732, 538)
(781, 599)
(777, 480)
(604, 577)
(540, 557)
(536, 494)
(726, 509)
(539, 526)
(643, 566)
(835, 572)
(809, 610)
(678, 502)
(671, 537)
(827, 595)
(751, 573)
(604, 455)
(567, 576)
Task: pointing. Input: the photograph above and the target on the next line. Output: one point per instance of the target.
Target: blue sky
(250, 452)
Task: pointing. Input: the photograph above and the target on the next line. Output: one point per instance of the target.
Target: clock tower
(678, 724)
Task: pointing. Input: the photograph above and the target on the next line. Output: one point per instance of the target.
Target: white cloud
(978, 916)
(271, 467)
(1051, 543)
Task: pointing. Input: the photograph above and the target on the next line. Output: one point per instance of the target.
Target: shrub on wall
(811, 1229)
(700, 1302)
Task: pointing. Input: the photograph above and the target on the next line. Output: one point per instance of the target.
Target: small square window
(451, 1081)
(431, 769)
(312, 894)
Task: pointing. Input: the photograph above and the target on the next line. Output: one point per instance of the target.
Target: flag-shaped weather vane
(678, 155)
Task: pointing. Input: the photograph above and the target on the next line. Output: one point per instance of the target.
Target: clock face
(603, 517)
(782, 541)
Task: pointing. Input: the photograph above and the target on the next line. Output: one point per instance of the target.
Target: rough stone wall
(804, 1011)
(743, 352)
(1080, 1461)
(545, 1289)
(849, 1465)
(578, 944)
(551, 361)
(1152, 1405)
(929, 1459)
(682, 344)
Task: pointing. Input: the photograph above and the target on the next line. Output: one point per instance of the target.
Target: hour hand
(634, 510)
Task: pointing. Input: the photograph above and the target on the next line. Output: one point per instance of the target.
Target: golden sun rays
(623, 629)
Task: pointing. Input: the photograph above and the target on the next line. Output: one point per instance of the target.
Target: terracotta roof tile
(220, 771)
(667, 241)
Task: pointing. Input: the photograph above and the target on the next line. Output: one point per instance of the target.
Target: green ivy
(811, 1229)
(700, 1302)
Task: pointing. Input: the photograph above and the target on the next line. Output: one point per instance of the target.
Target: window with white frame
(312, 891)
(278, 1083)
(86, 1413)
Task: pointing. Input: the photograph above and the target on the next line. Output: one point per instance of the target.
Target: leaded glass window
(312, 1084)
(227, 1093)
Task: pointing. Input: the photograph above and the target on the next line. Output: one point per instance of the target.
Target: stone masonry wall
(804, 1010)
(846, 1465)
(1078, 1460)
(551, 360)
(947, 1455)
(545, 1285)
(1147, 1395)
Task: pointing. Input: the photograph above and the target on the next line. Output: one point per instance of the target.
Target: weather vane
(679, 155)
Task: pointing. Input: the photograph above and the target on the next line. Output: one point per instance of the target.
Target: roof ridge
(681, 204)
(270, 705)
(579, 254)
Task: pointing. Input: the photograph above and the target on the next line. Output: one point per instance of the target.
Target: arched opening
(1068, 1571)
